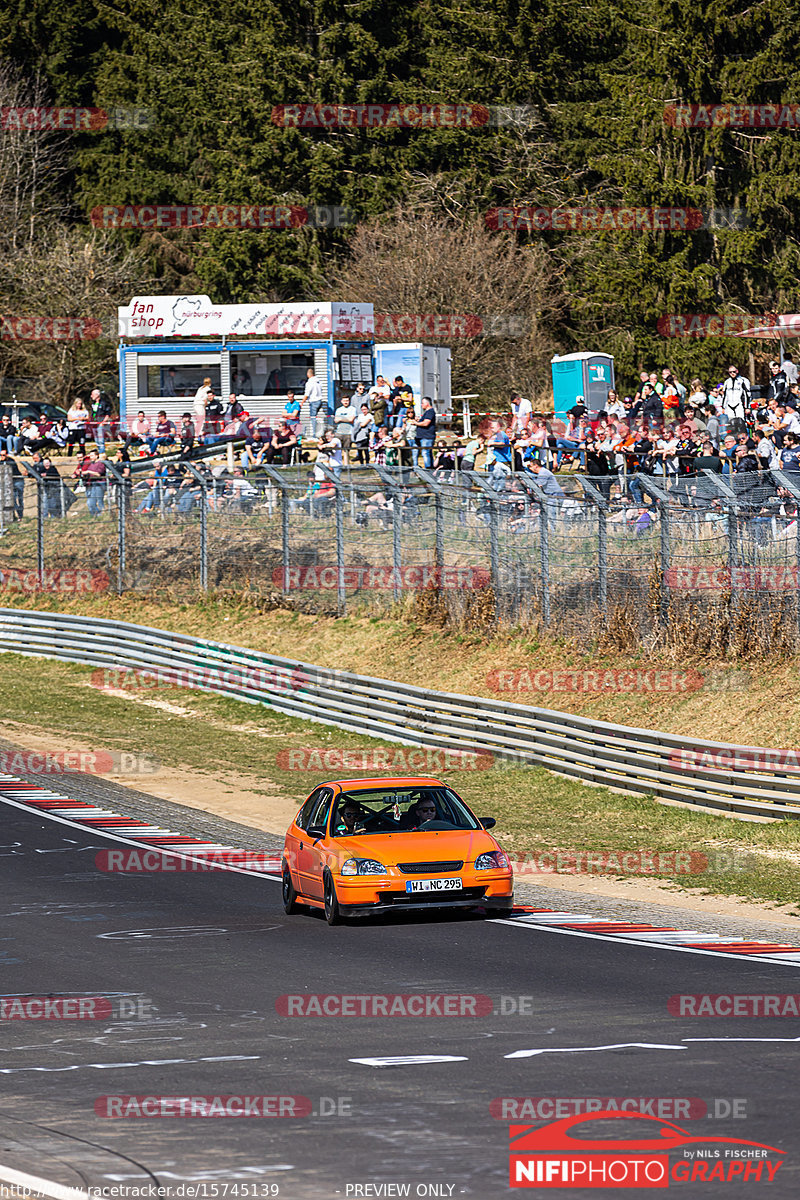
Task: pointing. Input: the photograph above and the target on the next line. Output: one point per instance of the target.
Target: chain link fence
(719, 552)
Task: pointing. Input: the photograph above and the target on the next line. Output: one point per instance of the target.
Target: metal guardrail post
(665, 542)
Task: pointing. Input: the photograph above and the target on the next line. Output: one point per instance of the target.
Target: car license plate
(433, 885)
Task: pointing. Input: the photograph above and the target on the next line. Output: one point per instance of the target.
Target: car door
(294, 840)
(310, 851)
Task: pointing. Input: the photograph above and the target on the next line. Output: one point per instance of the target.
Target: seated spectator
(154, 484)
(54, 437)
(318, 497)
(186, 434)
(282, 444)
(139, 430)
(28, 435)
(9, 439)
(241, 491)
(546, 480)
(165, 433)
(331, 448)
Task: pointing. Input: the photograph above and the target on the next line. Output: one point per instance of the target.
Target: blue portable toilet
(585, 375)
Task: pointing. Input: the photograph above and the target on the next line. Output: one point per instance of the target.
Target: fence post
(203, 481)
(602, 543)
(341, 593)
(665, 541)
(31, 470)
(121, 547)
(278, 479)
(540, 496)
(793, 490)
(438, 495)
(733, 532)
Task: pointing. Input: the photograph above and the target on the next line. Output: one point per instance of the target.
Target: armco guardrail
(633, 760)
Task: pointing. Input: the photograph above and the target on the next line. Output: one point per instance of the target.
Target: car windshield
(399, 810)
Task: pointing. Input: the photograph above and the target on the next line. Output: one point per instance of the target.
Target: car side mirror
(316, 832)
(487, 822)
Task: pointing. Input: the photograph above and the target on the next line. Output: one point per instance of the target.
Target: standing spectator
(78, 424)
(344, 424)
(18, 482)
(199, 406)
(234, 410)
(102, 410)
(778, 383)
(363, 427)
(426, 431)
(471, 451)
(165, 433)
(51, 493)
(92, 474)
(241, 383)
(187, 434)
(698, 396)
(521, 413)
(139, 430)
(652, 407)
(168, 382)
(736, 399)
(500, 445)
(789, 369)
(312, 393)
(615, 407)
(377, 404)
(101, 429)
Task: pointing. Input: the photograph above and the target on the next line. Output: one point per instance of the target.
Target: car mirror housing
(487, 822)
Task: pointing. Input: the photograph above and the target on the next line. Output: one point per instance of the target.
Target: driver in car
(423, 810)
(348, 821)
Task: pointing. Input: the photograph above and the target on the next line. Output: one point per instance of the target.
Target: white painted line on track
(32, 1183)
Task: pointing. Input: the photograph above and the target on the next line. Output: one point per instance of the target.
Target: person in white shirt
(789, 421)
(767, 452)
(789, 369)
(344, 420)
(614, 406)
(199, 405)
(312, 395)
(521, 413)
(330, 452)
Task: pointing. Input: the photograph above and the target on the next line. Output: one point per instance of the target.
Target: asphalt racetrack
(202, 961)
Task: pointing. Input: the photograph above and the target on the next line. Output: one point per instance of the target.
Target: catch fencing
(739, 780)
(640, 547)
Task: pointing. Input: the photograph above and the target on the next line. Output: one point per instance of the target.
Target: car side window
(319, 817)
(304, 817)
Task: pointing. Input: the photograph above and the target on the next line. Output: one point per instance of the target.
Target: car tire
(288, 894)
(332, 914)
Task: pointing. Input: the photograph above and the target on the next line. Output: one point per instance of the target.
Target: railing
(639, 761)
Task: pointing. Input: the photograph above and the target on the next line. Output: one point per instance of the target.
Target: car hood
(421, 846)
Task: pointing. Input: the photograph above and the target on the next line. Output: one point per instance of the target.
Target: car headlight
(363, 866)
(491, 861)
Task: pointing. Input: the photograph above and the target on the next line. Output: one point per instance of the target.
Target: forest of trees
(593, 78)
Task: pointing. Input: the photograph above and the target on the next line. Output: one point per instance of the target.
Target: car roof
(351, 785)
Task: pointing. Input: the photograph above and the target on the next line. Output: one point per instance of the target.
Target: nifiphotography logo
(574, 1153)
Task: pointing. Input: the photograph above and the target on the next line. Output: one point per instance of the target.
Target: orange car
(361, 846)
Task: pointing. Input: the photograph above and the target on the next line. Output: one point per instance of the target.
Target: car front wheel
(332, 913)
